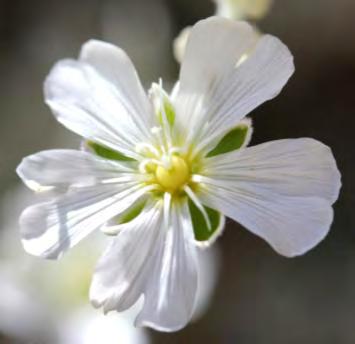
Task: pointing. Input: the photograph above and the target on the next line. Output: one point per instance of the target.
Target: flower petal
(100, 98)
(227, 72)
(114, 65)
(61, 168)
(281, 191)
(148, 258)
(121, 273)
(51, 228)
(171, 290)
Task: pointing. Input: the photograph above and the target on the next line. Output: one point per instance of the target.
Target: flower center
(175, 176)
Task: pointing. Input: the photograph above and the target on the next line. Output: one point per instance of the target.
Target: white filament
(198, 204)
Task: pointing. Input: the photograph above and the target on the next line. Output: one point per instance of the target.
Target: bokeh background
(253, 295)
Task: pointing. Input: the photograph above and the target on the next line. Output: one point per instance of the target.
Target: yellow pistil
(174, 177)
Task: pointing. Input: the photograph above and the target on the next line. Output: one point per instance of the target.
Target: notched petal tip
(33, 227)
(323, 157)
(337, 178)
(88, 95)
(27, 171)
(56, 73)
(20, 167)
(100, 298)
(96, 300)
(210, 71)
(31, 222)
(32, 249)
(25, 168)
(281, 191)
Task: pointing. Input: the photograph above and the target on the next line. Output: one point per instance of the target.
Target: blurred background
(250, 294)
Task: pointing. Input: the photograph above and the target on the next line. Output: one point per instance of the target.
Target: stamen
(173, 150)
(123, 179)
(197, 178)
(166, 161)
(198, 204)
(166, 125)
(163, 162)
(167, 204)
(146, 148)
(156, 131)
(143, 165)
(115, 229)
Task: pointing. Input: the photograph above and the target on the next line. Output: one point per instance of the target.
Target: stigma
(175, 176)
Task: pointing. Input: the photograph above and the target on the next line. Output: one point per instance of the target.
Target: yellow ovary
(175, 176)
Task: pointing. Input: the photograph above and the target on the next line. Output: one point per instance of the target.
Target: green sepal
(131, 213)
(162, 104)
(106, 152)
(169, 111)
(201, 231)
(233, 140)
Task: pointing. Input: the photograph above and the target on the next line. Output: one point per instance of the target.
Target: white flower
(242, 9)
(231, 9)
(159, 172)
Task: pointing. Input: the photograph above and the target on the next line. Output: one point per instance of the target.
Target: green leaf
(231, 141)
(131, 213)
(201, 230)
(107, 153)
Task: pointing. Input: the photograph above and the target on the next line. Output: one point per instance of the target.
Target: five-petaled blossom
(158, 172)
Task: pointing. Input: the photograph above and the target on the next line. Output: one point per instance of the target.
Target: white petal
(122, 271)
(171, 290)
(100, 98)
(281, 191)
(209, 268)
(70, 167)
(49, 229)
(260, 77)
(114, 65)
(180, 42)
(218, 86)
(298, 167)
(148, 258)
